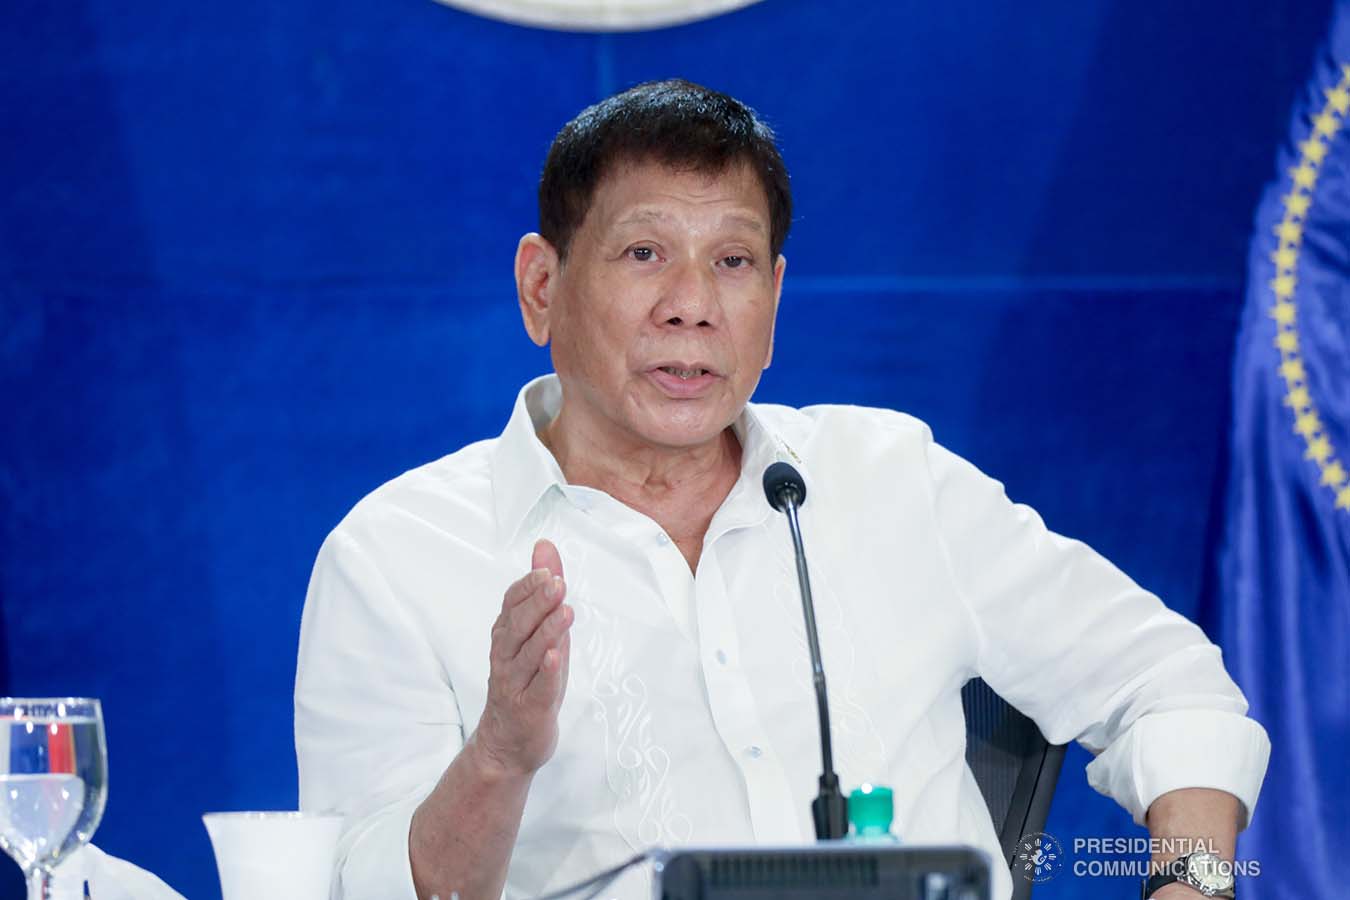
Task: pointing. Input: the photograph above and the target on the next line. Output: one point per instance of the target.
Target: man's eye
(734, 262)
(643, 254)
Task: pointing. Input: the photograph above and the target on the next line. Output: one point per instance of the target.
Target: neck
(642, 469)
(680, 488)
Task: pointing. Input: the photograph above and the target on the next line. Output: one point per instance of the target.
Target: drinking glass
(53, 782)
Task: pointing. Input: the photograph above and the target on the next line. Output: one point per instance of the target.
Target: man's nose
(689, 296)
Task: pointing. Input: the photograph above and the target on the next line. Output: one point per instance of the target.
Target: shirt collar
(761, 446)
(524, 471)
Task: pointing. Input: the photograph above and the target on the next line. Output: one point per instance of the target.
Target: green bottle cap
(871, 809)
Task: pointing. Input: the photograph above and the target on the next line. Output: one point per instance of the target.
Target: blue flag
(1284, 562)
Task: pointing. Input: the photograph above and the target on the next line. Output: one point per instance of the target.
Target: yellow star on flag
(1326, 124)
(1284, 258)
(1343, 498)
(1284, 286)
(1305, 176)
(1339, 98)
(1290, 231)
(1308, 424)
(1287, 341)
(1313, 149)
(1297, 204)
(1334, 474)
(1319, 449)
(1298, 398)
(1292, 370)
(1283, 313)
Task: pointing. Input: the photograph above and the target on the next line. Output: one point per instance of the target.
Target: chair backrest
(1015, 768)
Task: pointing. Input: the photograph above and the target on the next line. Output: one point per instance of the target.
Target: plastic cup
(274, 855)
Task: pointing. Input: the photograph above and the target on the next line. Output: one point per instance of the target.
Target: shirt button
(754, 752)
(662, 539)
(722, 657)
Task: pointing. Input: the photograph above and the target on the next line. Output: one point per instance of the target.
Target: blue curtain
(1285, 558)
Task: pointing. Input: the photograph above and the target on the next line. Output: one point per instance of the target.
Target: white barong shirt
(689, 715)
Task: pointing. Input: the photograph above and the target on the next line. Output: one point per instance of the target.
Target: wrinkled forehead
(637, 192)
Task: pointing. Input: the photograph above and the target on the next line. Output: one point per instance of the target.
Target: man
(523, 662)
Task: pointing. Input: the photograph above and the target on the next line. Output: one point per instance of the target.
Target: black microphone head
(780, 479)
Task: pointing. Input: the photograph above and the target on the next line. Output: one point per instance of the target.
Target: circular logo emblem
(602, 15)
(1039, 857)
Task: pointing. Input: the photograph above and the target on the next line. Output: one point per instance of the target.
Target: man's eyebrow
(642, 217)
(647, 216)
(751, 222)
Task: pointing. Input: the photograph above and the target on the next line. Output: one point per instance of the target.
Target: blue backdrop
(1283, 586)
(255, 260)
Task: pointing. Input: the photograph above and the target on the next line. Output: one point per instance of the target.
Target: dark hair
(677, 123)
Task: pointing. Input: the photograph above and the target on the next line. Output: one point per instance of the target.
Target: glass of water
(53, 782)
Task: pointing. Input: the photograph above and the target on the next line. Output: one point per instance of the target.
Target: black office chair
(1015, 768)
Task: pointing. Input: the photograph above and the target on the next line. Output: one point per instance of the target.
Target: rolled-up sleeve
(1183, 748)
(376, 720)
(1070, 640)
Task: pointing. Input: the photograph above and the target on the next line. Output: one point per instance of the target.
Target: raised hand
(529, 662)
(463, 833)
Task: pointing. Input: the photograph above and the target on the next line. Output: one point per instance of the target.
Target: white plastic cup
(274, 855)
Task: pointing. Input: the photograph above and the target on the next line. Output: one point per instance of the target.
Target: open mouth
(683, 373)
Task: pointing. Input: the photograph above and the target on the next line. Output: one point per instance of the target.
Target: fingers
(535, 652)
(519, 622)
(545, 562)
(507, 633)
(565, 650)
(546, 556)
(529, 665)
(549, 683)
(528, 602)
(523, 588)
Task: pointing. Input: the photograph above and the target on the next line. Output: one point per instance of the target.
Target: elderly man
(523, 662)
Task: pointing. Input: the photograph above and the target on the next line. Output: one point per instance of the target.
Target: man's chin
(686, 437)
(685, 424)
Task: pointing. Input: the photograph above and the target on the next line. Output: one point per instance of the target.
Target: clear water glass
(53, 782)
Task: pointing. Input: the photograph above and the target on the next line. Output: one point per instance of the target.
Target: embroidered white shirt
(689, 715)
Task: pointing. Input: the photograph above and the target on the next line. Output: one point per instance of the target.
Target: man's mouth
(683, 373)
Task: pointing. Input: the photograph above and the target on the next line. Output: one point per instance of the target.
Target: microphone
(786, 492)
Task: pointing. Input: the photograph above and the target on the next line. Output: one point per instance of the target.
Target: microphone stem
(813, 642)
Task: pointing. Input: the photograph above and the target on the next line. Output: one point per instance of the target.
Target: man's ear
(779, 267)
(537, 268)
